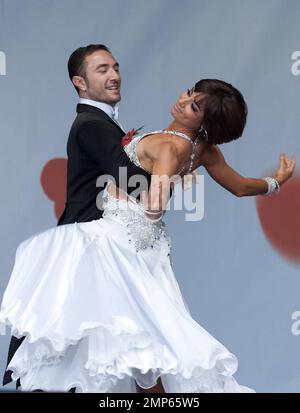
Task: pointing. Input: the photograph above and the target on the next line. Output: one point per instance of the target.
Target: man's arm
(98, 140)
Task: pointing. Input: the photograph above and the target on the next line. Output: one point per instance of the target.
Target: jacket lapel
(81, 107)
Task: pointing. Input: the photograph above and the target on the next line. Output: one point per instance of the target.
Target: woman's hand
(187, 180)
(285, 169)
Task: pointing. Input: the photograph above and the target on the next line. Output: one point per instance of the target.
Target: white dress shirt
(111, 110)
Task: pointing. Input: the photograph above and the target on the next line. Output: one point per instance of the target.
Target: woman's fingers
(292, 162)
(286, 163)
(282, 161)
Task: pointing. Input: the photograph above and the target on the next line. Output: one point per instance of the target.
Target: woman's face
(188, 111)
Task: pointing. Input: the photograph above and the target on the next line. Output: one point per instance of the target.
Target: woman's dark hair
(76, 62)
(225, 111)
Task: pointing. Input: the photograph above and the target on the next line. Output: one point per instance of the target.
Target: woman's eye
(188, 92)
(194, 107)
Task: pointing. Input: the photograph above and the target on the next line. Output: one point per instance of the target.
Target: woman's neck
(192, 133)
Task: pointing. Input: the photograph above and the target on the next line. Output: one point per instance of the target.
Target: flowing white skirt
(101, 317)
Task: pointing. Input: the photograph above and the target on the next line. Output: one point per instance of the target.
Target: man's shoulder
(92, 125)
(87, 119)
(83, 117)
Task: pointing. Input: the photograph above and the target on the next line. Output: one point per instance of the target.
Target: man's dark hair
(76, 62)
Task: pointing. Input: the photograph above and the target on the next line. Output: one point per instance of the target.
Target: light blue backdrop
(235, 284)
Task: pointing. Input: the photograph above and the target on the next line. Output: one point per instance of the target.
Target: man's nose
(114, 75)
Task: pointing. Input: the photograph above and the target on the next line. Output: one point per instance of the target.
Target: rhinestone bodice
(141, 231)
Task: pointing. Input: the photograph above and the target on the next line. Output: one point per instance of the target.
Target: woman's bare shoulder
(152, 144)
(210, 154)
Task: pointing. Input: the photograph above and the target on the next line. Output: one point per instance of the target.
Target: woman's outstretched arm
(216, 166)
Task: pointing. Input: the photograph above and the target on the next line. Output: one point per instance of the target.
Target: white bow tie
(115, 116)
(115, 113)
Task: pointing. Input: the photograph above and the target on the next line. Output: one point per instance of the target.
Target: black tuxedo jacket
(94, 149)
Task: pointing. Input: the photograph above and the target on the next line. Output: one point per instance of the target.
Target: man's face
(102, 78)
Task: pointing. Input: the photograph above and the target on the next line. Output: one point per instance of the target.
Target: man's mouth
(113, 88)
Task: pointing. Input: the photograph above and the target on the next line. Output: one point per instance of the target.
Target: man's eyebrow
(103, 65)
(106, 65)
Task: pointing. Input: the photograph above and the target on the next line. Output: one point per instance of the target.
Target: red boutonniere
(129, 135)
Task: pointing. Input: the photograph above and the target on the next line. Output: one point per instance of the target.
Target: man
(94, 145)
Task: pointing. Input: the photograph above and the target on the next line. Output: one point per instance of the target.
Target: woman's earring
(204, 131)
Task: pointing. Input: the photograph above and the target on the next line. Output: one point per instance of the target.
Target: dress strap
(168, 132)
(193, 143)
(177, 133)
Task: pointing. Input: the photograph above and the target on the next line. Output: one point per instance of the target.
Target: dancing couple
(93, 304)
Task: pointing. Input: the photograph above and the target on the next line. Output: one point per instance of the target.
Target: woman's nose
(183, 101)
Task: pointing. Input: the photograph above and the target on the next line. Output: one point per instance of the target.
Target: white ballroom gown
(101, 310)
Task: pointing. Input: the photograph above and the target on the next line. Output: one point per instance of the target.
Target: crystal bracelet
(273, 185)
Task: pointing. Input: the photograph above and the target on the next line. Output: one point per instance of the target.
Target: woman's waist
(129, 217)
(140, 230)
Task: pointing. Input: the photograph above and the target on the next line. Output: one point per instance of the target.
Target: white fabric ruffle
(99, 316)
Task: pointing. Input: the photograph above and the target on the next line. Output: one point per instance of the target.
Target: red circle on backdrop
(54, 182)
(279, 216)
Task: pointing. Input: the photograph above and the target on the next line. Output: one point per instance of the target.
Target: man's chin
(113, 100)
(110, 100)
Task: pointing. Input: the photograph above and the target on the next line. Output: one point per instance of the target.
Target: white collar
(111, 110)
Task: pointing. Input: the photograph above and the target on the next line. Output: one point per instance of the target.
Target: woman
(98, 301)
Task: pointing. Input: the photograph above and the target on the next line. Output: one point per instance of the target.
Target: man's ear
(79, 82)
